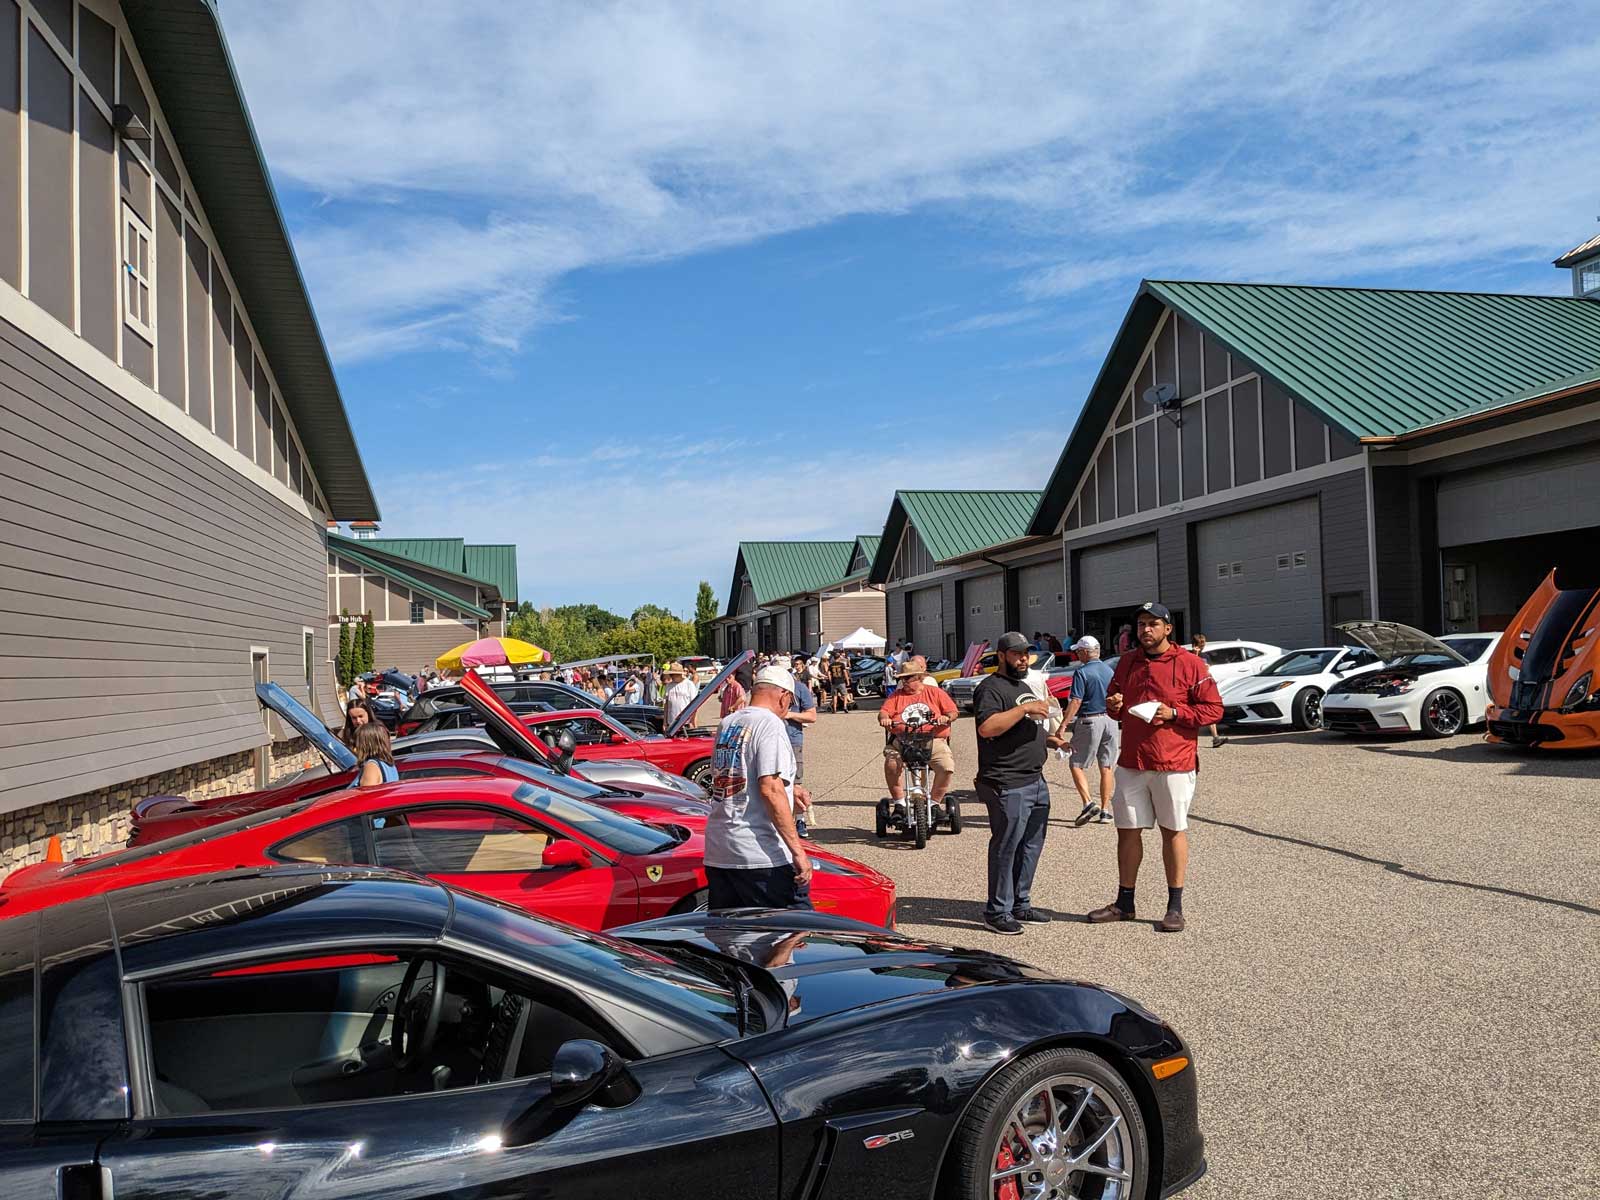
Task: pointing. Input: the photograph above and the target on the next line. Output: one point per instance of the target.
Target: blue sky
(626, 284)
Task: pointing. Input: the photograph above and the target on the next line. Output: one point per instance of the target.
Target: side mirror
(618, 739)
(566, 744)
(564, 854)
(585, 1072)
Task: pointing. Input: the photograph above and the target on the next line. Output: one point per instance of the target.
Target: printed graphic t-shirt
(751, 743)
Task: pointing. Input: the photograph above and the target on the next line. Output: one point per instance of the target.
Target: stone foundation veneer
(96, 822)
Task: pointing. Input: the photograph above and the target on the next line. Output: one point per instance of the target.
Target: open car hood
(501, 724)
(308, 724)
(687, 715)
(1390, 640)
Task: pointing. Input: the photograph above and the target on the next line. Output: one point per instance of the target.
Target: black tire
(692, 903)
(883, 821)
(954, 810)
(1307, 709)
(920, 821)
(700, 773)
(975, 1147)
(1444, 713)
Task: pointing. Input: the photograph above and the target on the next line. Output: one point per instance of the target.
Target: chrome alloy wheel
(1446, 712)
(1313, 710)
(1067, 1139)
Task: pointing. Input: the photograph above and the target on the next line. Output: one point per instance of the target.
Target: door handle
(84, 1181)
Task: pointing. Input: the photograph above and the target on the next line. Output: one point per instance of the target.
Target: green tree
(591, 618)
(647, 610)
(344, 662)
(705, 612)
(665, 637)
(366, 644)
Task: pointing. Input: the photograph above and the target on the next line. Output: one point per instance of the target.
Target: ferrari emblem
(654, 873)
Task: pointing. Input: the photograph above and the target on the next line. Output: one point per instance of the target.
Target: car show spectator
(1090, 732)
(1125, 639)
(754, 855)
(1217, 739)
(891, 676)
(915, 690)
(374, 757)
(681, 691)
(356, 714)
(732, 695)
(802, 712)
(1158, 763)
(1011, 754)
(839, 682)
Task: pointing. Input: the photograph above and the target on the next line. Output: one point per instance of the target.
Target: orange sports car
(1544, 676)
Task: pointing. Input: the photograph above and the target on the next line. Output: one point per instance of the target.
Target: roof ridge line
(1356, 287)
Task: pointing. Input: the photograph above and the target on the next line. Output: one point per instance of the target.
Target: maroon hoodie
(1178, 679)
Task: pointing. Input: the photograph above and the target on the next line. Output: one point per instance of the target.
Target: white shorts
(1146, 798)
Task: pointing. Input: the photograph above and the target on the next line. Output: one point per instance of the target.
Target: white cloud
(475, 154)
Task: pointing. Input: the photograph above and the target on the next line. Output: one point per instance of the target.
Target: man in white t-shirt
(754, 856)
(681, 691)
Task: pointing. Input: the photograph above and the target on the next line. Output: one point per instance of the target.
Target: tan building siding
(413, 647)
(843, 615)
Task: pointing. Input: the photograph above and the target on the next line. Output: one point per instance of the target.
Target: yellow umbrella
(491, 652)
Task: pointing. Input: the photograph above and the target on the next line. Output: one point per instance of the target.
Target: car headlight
(1579, 691)
(1277, 687)
(1398, 687)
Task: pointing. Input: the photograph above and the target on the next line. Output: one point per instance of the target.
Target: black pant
(1018, 819)
(757, 887)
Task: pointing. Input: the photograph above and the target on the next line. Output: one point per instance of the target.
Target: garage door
(983, 608)
(927, 621)
(1261, 576)
(1041, 599)
(1121, 575)
(813, 626)
(1546, 494)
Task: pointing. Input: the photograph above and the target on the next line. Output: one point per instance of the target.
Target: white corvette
(1437, 686)
(1289, 690)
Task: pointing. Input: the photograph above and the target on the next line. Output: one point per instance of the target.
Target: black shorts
(756, 887)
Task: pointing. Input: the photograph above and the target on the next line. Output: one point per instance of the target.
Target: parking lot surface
(1391, 974)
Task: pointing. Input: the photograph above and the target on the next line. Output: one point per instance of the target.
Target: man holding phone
(1011, 719)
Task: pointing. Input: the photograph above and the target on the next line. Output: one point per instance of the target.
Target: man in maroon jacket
(1157, 766)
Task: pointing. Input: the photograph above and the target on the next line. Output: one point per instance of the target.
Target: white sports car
(1289, 690)
(1437, 686)
(1233, 660)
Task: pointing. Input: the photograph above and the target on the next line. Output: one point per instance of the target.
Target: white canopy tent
(862, 639)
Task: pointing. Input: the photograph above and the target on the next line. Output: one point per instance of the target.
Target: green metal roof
(353, 550)
(1378, 363)
(779, 569)
(497, 565)
(442, 554)
(186, 56)
(1373, 363)
(868, 542)
(952, 524)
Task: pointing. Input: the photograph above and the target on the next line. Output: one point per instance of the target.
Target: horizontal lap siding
(413, 647)
(843, 615)
(138, 572)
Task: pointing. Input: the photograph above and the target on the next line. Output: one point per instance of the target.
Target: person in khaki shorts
(913, 688)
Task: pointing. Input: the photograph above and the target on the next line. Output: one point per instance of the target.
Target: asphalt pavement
(1391, 974)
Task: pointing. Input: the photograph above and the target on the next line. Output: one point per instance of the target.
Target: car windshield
(608, 964)
(567, 785)
(1470, 648)
(622, 834)
(1302, 662)
(195, 837)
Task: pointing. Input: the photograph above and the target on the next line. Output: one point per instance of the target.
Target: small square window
(1299, 559)
(1222, 570)
(137, 275)
(416, 612)
(1238, 569)
(1283, 562)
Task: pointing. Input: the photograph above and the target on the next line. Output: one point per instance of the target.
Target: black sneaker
(1032, 916)
(1087, 813)
(1003, 924)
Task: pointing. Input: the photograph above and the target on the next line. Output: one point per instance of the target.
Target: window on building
(416, 612)
(138, 266)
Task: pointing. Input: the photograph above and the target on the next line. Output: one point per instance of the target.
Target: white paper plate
(1146, 710)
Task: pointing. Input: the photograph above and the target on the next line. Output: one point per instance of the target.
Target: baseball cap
(1013, 641)
(778, 677)
(1086, 643)
(1155, 610)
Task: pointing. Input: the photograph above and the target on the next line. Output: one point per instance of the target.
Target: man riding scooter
(914, 695)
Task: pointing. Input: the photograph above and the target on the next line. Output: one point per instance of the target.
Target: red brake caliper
(1008, 1187)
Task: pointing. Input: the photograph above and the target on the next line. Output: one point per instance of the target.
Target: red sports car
(512, 840)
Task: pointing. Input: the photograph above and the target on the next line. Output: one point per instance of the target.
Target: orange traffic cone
(52, 850)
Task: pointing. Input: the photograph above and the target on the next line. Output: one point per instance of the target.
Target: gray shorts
(1095, 739)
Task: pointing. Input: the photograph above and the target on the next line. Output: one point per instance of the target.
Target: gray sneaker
(1105, 817)
(1087, 815)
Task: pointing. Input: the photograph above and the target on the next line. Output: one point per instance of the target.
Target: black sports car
(645, 719)
(362, 1033)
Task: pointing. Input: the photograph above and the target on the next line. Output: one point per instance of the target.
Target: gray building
(1270, 460)
(798, 596)
(173, 440)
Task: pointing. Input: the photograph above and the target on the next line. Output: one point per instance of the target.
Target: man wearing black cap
(1011, 719)
(1164, 695)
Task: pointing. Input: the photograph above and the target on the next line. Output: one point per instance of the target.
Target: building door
(927, 620)
(260, 674)
(813, 629)
(983, 608)
(1041, 599)
(1260, 575)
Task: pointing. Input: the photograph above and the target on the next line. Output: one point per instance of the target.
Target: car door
(1225, 664)
(380, 1132)
(508, 856)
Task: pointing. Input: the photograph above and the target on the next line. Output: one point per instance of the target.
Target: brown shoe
(1171, 923)
(1110, 912)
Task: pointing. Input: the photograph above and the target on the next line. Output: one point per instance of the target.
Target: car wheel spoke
(1077, 1115)
(1078, 1161)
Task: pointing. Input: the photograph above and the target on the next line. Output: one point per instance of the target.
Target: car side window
(341, 842)
(1222, 658)
(334, 1027)
(1360, 658)
(442, 773)
(586, 731)
(450, 839)
(1248, 653)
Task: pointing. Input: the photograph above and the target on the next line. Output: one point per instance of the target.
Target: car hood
(1390, 639)
(686, 717)
(339, 756)
(1253, 685)
(829, 965)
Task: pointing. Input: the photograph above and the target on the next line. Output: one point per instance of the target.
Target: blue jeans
(1018, 818)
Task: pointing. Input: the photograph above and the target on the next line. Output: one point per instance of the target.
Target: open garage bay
(1391, 974)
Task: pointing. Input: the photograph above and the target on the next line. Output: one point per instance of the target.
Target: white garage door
(1548, 494)
(1121, 575)
(1041, 599)
(927, 621)
(983, 608)
(1261, 576)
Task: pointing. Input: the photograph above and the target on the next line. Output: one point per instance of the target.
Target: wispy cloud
(474, 155)
(983, 322)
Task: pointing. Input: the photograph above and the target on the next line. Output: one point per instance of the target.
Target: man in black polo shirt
(1011, 720)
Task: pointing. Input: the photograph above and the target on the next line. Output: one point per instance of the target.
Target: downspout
(1005, 592)
(1372, 534)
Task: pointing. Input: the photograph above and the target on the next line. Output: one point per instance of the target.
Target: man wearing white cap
(1090, 731)
(754, 856)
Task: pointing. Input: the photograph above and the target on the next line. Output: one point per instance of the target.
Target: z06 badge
(879, 1141)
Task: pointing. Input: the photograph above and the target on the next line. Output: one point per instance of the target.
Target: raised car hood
(307, 724)
(828, 965)
(501, 724)
(687, 715)
(1390, 640)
